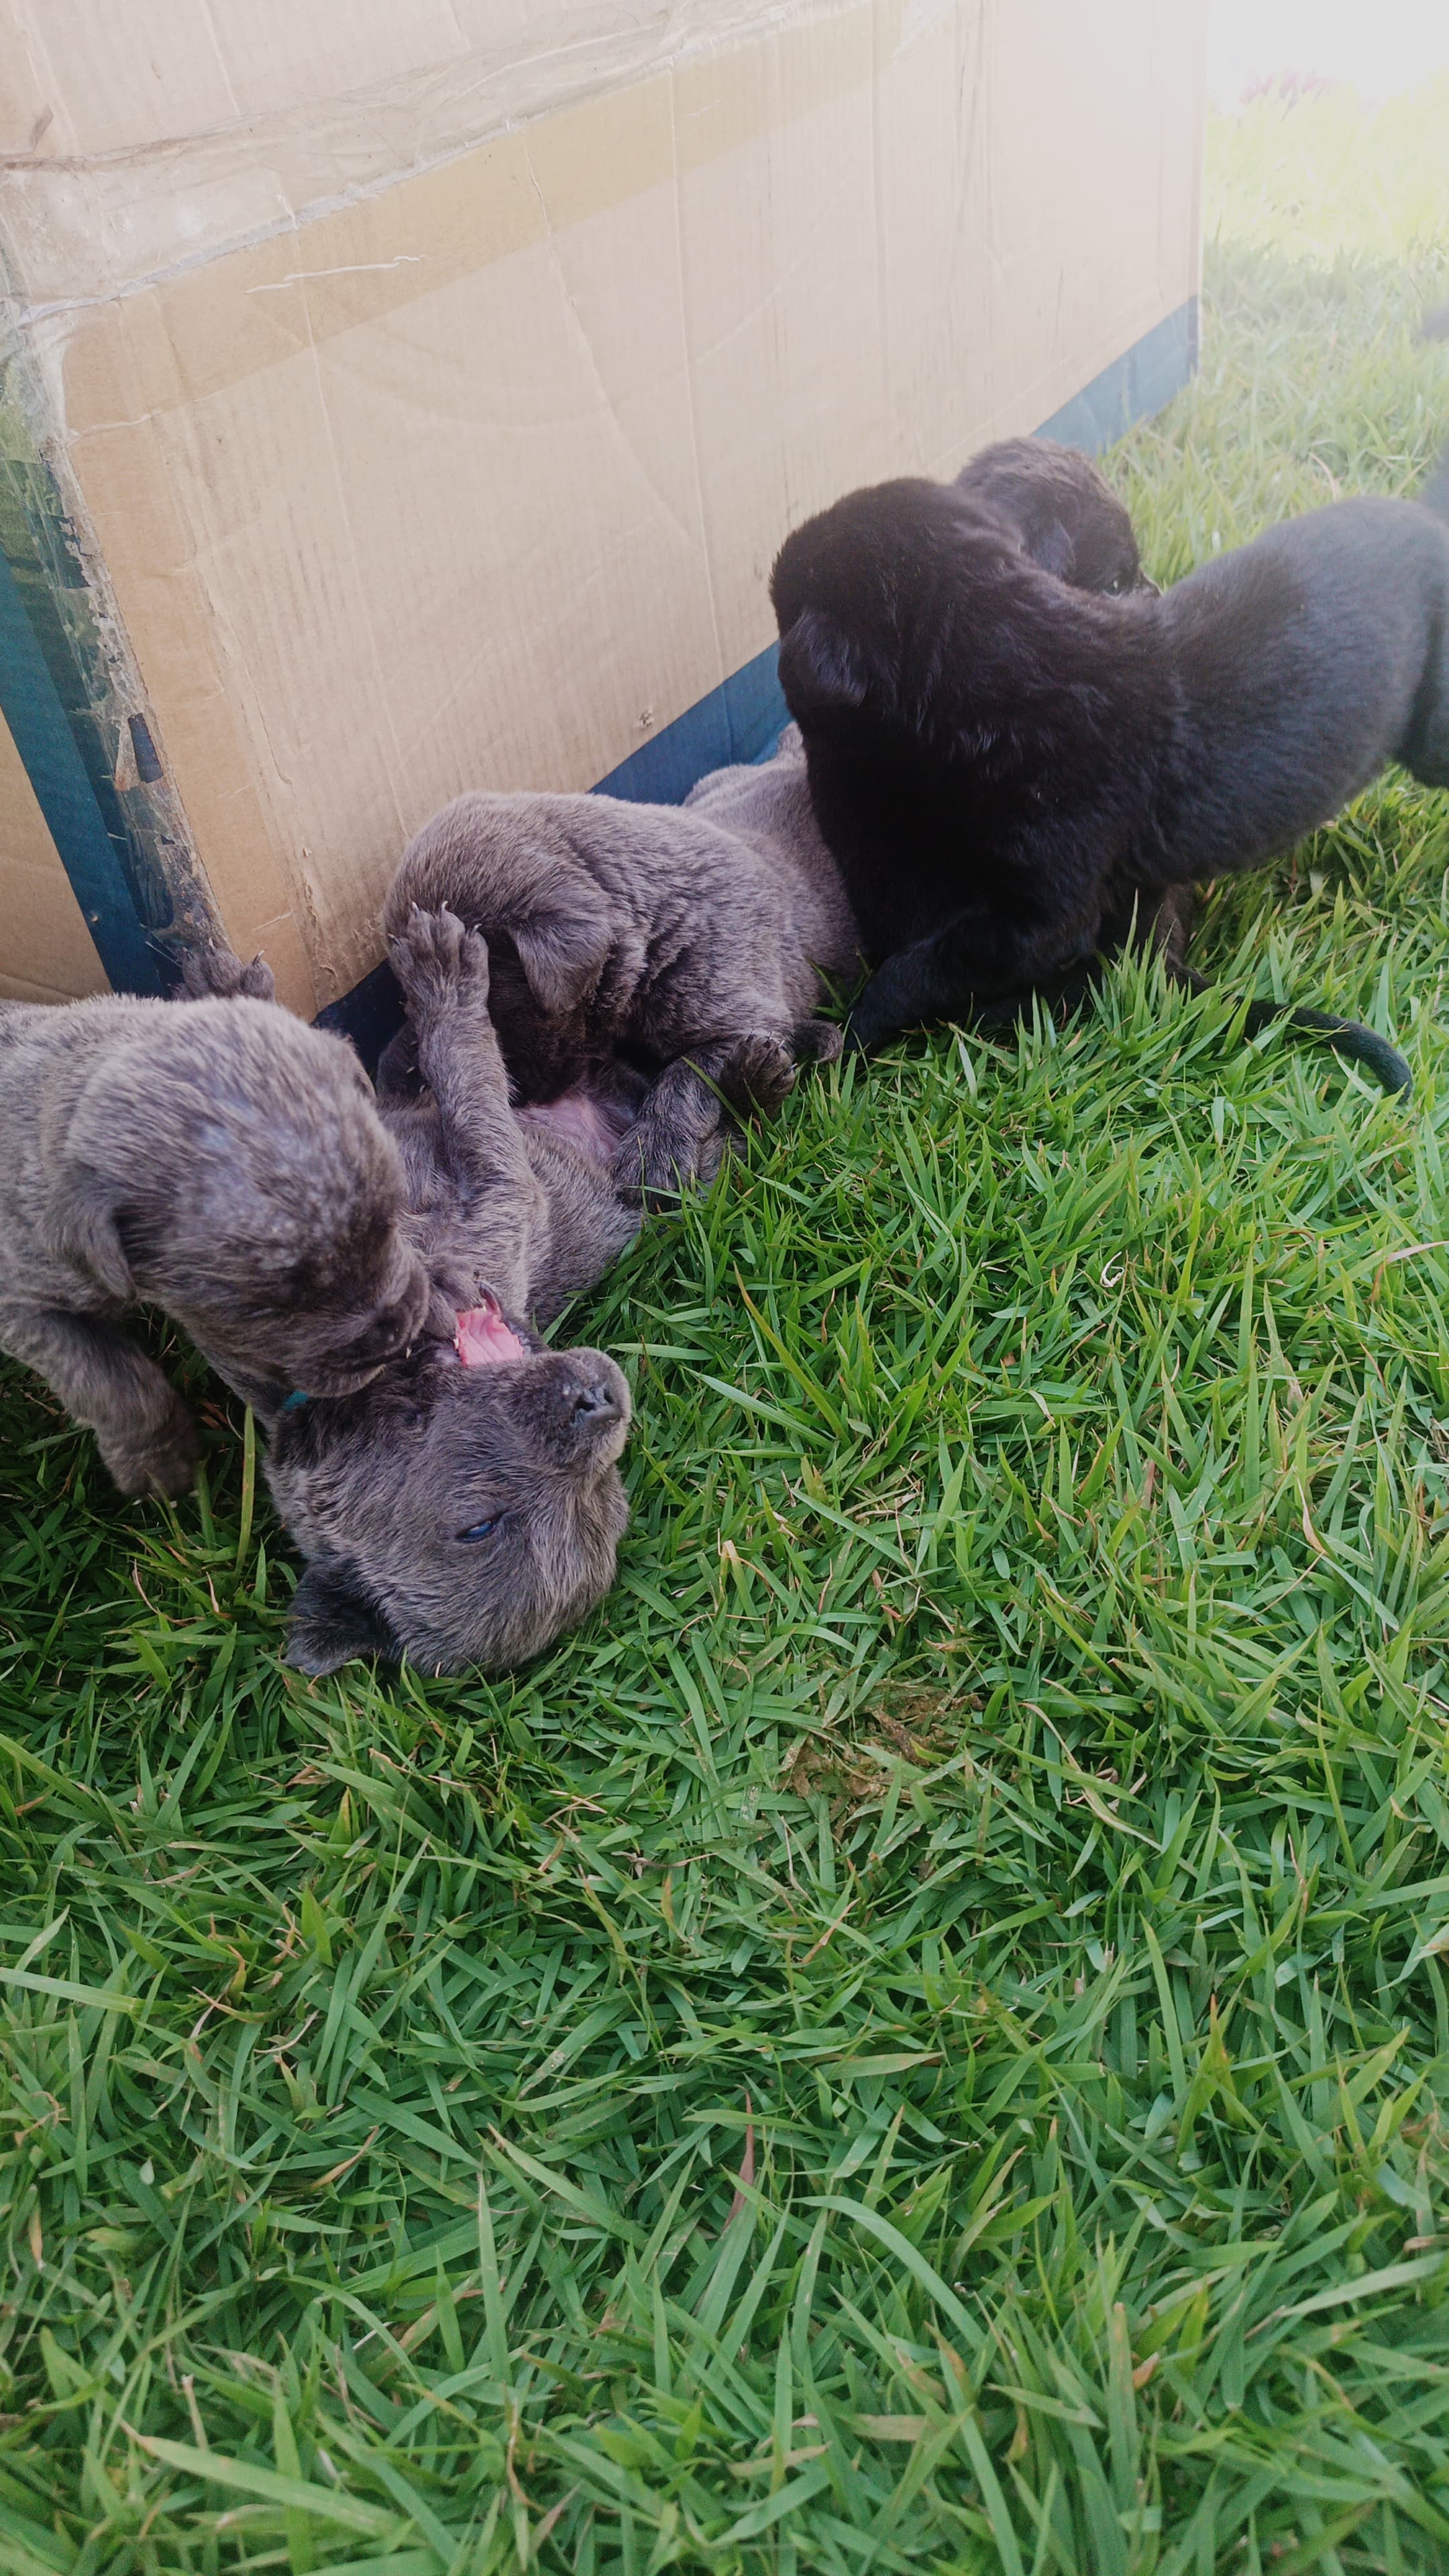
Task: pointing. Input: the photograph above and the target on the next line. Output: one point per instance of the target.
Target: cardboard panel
(476, 479)
(46, 953)
(138, 137)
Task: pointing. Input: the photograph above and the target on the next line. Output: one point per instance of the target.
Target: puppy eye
(480, 1529)
(1114, 587)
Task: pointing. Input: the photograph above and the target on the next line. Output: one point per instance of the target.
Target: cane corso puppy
(465, 1505)
(1064, 511)
(1008, 770)
(216, 1159)
(688, 942)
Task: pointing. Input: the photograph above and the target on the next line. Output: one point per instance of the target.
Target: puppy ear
(1051, 548)
(90, 1233)
(563, 953)
(333, 1620)
(820, 669)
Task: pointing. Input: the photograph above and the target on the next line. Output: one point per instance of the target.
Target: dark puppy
(688, 941)
(216, 1159)
(1008, 771)
(466, 1506)
(1063, 509)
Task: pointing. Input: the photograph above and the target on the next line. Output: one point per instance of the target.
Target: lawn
(919, 2038)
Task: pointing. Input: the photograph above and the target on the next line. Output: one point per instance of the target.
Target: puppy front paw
(439, 964)
(160, 1461)
(212, 973)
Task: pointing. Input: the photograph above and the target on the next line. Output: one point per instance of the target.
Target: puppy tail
(1346, 1037)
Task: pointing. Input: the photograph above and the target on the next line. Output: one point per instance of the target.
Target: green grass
(920, 2038)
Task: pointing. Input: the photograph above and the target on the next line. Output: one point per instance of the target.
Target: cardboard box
(411, 395)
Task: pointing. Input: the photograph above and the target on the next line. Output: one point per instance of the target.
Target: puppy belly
(594, 1127)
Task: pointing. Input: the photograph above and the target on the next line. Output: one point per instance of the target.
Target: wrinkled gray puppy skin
(464, 1514)
(216, 1159)
(688, 940)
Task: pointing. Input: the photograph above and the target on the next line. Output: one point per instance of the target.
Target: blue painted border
(1135, 386)
(740, 720)
(66, 794)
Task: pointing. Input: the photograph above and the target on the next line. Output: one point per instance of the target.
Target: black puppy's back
(1307, 660)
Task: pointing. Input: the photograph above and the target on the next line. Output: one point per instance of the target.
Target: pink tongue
(484, 1340)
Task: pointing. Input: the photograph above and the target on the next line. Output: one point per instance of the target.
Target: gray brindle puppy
(688, 941)
(466, 1506)
(214, 1158)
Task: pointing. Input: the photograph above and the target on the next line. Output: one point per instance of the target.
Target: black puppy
(1064, 511)
(1009, 771)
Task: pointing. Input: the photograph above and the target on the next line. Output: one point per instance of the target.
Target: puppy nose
(595, 1402)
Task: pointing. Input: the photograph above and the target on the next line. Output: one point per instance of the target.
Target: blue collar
(293, 1403)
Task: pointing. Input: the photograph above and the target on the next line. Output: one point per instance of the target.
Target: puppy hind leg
(678, 1140)
(1425, 753)
(756, 1071)
(1168, 928)
(143, 1430)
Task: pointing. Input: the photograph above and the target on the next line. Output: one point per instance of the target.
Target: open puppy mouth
(485, 1338)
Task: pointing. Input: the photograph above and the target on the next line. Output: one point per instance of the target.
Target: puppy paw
(439, 964)
(160, 1461)
(258, 982)
(212, 973)
(759, 1074)
(817, 1042)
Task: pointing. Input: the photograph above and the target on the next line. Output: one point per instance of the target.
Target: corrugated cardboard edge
(73, 699)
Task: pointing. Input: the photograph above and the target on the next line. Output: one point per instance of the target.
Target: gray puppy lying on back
(689, 941)
(466, 1505)
(216, 1159)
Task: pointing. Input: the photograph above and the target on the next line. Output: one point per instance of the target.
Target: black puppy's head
(1065, 512)
(876, 600)
(910, 612)
(463, 1509)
